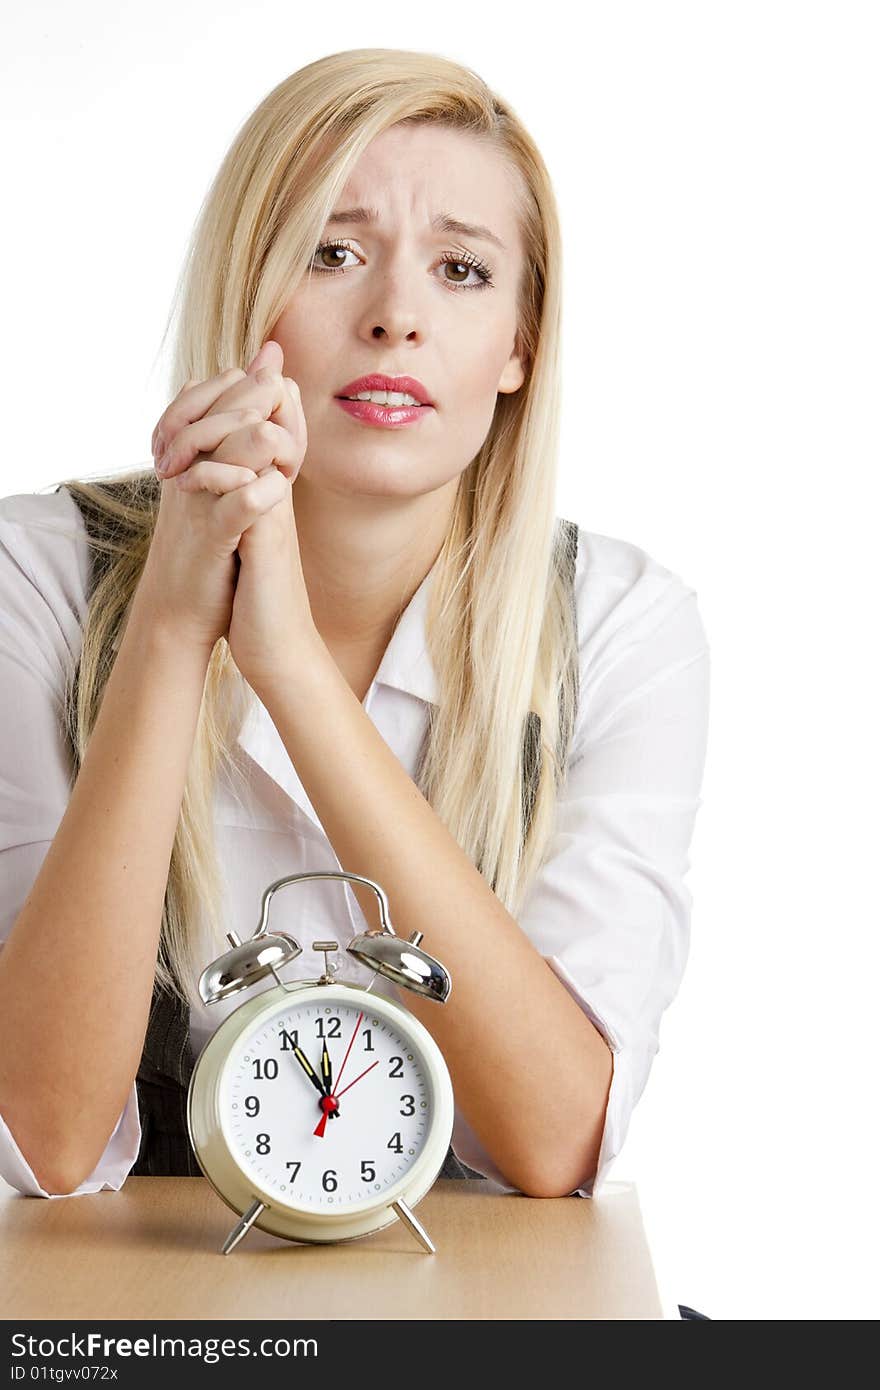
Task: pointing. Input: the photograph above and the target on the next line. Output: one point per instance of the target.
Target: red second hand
(348, 1049)
(329, 1103)
(337, 1094)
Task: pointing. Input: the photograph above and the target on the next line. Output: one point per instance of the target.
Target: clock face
(327, 1105)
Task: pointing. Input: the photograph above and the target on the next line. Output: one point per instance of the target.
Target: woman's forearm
(530, 1071)
(76, 973)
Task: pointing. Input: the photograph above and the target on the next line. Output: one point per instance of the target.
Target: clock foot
(243, 1226)
(415, 1226)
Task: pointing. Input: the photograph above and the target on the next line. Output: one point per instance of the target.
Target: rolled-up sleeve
(111, 1170)
(43, 570)
(610, 910)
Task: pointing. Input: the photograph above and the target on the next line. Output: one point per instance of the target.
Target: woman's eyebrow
(443, 222)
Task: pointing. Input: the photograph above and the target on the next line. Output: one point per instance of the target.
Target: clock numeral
(334, 1028)
(265, 1069)
(289, 1040)
(412, 1105)
(395, 1143)
(328, 1182)
(368, 1046)
(295, 1165)
(368, 1170)
(263, 1146)
(252, 1106)
(396, 1066)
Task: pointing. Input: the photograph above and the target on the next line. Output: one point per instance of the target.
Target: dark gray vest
(167, 1062)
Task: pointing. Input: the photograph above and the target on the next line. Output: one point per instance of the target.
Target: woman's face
(408, 300)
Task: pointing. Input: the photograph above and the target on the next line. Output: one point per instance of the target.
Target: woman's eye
(332, 248)
(482, 275)
(470, 269)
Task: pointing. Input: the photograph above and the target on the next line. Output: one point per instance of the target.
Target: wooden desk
(152, 1251)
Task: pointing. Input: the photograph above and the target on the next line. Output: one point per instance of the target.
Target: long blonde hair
(500, 626)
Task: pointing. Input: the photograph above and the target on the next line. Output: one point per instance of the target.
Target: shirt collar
(406, 666)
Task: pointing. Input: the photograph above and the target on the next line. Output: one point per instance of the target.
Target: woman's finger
(190, 403)
(238, 509)
(241, 495)
(256, 445)
(275, 396)
(203, 437)
(259, 446)
(157, 439)
(291, 415)
(210, 475)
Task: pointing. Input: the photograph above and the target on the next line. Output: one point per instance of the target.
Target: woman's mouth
(389, 416)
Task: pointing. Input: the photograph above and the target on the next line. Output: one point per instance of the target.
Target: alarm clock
(318, 1111)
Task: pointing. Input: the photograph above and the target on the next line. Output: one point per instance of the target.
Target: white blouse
(609, 911)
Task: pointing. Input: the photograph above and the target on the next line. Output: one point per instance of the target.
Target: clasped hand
(254, 421)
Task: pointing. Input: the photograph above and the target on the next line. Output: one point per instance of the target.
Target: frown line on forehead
(442, 222)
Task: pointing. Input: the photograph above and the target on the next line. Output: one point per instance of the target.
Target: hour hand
(309, 1070)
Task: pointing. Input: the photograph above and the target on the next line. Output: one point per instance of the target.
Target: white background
(716, 169)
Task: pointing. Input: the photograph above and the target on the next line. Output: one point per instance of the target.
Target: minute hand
(327, 1072)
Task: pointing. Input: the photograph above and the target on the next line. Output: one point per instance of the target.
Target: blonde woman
(334, 629)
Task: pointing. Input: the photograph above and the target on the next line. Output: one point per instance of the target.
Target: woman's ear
(513, 375)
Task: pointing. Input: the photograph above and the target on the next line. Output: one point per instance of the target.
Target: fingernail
(163, 464)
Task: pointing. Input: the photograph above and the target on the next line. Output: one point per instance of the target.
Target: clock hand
(333, 1109)
(330, 1106)
(330, 1103)
(356, 1080)
(327, 1070)
(307, 1068)
(348, 1049)
(327, 1073)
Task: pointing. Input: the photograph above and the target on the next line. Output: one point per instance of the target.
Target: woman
(334, 631)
